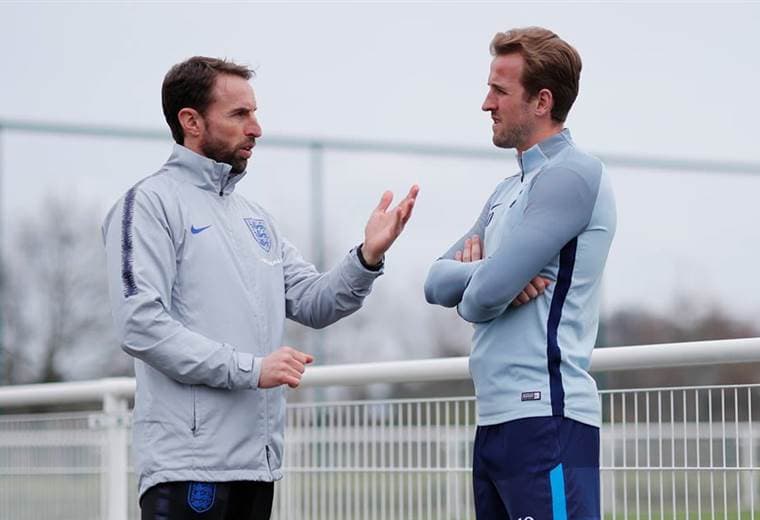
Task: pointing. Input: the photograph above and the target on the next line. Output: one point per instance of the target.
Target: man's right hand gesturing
(284, 366)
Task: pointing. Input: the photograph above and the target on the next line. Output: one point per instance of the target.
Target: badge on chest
(260, 232)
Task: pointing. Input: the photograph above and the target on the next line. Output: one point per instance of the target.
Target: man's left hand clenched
(384, 225)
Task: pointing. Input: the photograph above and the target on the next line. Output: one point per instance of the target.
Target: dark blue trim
(553, 354)
(127, 275)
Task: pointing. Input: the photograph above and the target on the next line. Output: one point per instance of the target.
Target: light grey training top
(555, 219)
(201, 281)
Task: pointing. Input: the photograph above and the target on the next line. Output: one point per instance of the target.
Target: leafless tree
(58, 323)
(685, 323)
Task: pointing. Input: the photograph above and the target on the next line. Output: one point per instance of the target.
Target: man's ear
(545, 102)
(191, 121)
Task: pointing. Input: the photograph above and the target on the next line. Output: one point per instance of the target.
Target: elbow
(129, 339)
(437, 292)
(430, 296)
(477, 307)
(473, 314)
(135, 336)
(323, 313)
(129, 349)
(133, 343)
(468, 311)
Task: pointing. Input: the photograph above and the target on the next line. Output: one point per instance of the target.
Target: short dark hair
(190, 84)
(550, 63)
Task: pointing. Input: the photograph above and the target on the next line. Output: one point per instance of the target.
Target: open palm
(384, 225)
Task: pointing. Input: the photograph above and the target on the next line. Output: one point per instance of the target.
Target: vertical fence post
(745, 461)
(316, 167)
(316, 170)
(114, 491)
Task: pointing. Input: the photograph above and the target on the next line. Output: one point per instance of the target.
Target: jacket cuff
(364, 263)
(256, 372)
(355, 272)
(247, 370)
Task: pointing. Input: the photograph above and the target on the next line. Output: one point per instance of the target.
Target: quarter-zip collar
(537, 155)
(201, 171)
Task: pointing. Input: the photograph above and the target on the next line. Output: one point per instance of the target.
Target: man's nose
(488, 104)
(253, 129)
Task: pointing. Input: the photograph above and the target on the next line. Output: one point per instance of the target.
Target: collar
(201, 171)
(540, 153)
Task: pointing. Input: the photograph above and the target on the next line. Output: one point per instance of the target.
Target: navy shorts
(239, 500)
(539, 468)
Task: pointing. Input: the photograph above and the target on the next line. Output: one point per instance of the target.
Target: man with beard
(201, 281)
(536, 452)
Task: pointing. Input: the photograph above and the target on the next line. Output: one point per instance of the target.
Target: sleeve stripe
(127, 217)
(553, 351)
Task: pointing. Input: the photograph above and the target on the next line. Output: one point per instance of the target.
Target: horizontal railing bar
(603, 360)
(310, 470)
(668, 355)
(371, 469)
(664, 355)
(663, 389)
(679, 468)
(382, 402)
(66, 420)
(418, 469)
(62, 470)
(66, 393)
(389, 147)
(412, 371)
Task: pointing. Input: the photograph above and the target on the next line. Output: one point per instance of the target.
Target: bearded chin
(217, 152)
(514, 137)
(507, 140)
(238, 165)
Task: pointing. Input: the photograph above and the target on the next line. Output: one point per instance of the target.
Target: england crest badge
(260, 232)
(200, 496)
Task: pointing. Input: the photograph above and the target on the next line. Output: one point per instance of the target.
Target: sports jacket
(201, 282)
(556, 219)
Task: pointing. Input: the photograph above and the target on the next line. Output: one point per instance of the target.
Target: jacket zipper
(222, 183)
(266, 400)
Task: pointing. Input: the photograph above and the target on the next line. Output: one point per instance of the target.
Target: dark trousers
(241, 500)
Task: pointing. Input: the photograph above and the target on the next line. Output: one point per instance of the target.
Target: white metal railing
(411, 458)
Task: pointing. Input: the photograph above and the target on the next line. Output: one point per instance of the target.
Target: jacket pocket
(194, 411)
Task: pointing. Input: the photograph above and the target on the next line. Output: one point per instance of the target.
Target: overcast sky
(676, 81)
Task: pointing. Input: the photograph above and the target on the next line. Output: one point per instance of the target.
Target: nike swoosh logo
(195, 230)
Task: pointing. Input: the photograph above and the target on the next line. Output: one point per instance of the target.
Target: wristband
(364, 262)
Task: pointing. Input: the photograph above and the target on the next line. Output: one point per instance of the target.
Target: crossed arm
(559, 207)
(473, 251)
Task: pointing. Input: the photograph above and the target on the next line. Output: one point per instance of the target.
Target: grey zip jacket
(201, 282)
